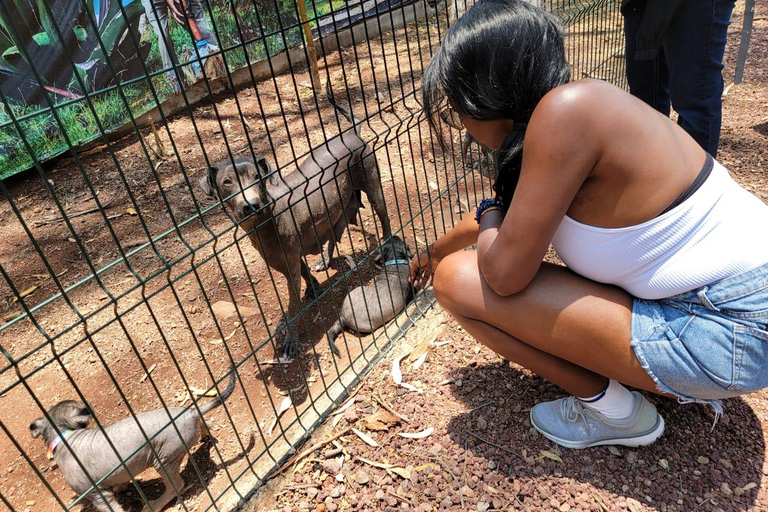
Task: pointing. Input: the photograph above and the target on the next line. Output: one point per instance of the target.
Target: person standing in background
(674, 57)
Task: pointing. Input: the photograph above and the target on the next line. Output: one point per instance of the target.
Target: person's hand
(422, 268)
(175, 8)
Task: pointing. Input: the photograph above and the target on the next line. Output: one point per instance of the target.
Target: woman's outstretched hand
(422, 268)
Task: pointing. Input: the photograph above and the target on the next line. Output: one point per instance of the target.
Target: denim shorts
(706, 344)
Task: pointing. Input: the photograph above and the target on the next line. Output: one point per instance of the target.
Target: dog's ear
(208, 183)
(82, 416)
(37, 427)
(265, 170)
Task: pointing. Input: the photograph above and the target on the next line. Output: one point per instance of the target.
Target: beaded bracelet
(486, 205)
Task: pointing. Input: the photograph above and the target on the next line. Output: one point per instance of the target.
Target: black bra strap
(698, 181)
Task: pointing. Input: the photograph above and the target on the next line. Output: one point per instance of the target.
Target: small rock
(565, 507)
(726, 489)
(331, 506)
(312, 492)
(458, 383)
(482, 506)
(631, 457)
(492, 464)
(726, 463)
(338, 491)
(331, 466)
(362, 478)
(702, 460)
(304, 506)
(482, 424)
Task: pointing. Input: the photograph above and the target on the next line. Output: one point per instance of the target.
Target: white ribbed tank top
(717, 232)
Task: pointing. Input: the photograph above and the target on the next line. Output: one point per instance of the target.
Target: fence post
(314, 71)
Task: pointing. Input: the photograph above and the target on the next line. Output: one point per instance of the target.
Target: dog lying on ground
(366, 308)
(92, 449)
(297, 214)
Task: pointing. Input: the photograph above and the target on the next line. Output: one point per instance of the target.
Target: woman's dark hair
(497, 62)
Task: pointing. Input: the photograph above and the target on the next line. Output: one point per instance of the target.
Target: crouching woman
(665, 286)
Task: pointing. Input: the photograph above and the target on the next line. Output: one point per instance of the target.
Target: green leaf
(10, 52)
(42, 38)
(80, 33)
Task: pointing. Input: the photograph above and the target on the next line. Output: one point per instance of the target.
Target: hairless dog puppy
(91, 448)
(366, 308)
(287, 217)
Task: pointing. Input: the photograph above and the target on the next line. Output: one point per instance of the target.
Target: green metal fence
(126, 289)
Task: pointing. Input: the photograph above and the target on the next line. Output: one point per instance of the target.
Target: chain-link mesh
(127, 289)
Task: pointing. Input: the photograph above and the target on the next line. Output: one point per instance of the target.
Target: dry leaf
(411, 387)
(131, 212)
(291, 391)
(366, 438)
(11, 316)
(219, 341)
(397, 375)
(283, 407)
(550, 455)
(344, 407)
(420, 361)
(433, 185)
(420, 349)
(23, 294)
(380, 420)
(275, 362)
(614, 451)
(664, 463)
(380, 465)
(441, 343)
(182, 397)
(202, 392)
(749, 486)
(148, 372)
(350, 262)
(417, 435)
(425, 466)
(401, 472)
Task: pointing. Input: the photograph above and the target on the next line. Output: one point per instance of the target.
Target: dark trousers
(687, 73)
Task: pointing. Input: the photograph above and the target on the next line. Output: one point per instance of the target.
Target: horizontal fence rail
(148, 303)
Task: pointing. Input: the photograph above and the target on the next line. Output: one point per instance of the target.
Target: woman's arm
(562, 146)
(461, 236)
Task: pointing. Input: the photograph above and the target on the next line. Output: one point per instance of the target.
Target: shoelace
(572, 409)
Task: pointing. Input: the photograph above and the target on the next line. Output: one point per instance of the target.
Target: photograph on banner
(72, 70)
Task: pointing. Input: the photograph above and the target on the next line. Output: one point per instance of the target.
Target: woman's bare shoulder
(585, 100)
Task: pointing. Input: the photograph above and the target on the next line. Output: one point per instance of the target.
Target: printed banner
(73, 69)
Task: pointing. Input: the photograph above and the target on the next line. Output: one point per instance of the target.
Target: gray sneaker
(569, 423)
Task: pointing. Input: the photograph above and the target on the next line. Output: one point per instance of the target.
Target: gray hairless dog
(289, 216)
(92, 449)
(366, 308)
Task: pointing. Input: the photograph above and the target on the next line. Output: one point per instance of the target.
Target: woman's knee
(454, 279)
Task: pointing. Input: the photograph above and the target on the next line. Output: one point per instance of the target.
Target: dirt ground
(131, 353)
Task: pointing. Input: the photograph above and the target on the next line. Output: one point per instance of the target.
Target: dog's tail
(332, 334)
(346, 113)
(205, 409)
